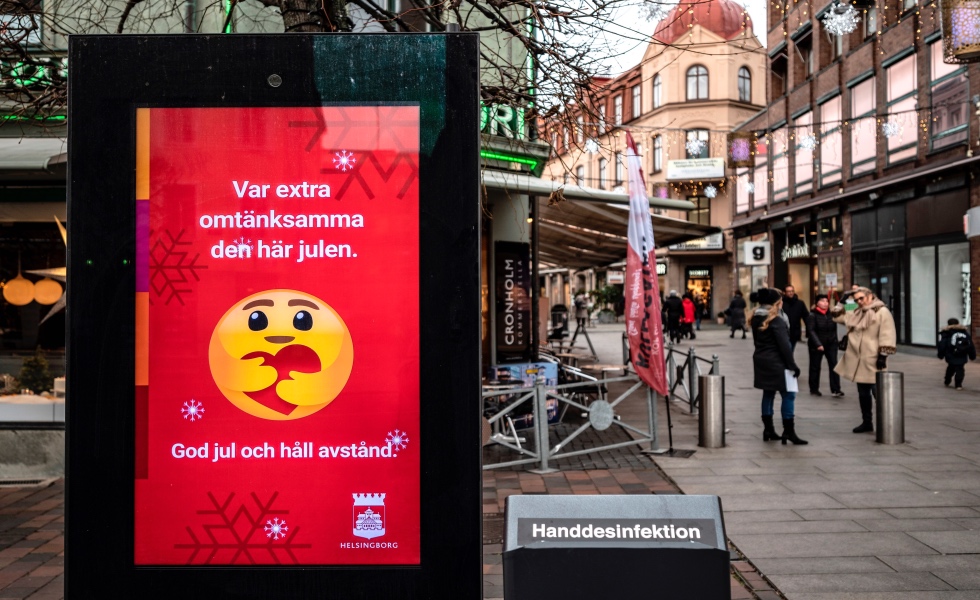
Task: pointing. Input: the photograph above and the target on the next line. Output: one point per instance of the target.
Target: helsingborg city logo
(369, 515)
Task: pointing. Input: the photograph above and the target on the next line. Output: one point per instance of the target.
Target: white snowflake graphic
(276, 529)
(193, 410)
(244, 247)
(891, 129)
(344, 160)
(398, 439)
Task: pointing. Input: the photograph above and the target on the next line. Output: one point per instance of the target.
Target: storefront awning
(520, 183)
(25, 158)
(583, 234)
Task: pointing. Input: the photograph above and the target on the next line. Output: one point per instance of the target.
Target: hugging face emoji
(281, 354)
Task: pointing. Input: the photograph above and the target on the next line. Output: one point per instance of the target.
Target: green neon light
(228, 8)
(533, 163)
(34, 118)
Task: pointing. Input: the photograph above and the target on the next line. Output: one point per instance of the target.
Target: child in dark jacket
(956, 346)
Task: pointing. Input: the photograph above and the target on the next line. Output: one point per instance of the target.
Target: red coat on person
(688, 311)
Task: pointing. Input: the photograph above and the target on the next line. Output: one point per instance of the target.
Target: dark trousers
(816, 357)
(674, 328)
(866, 395)
(956, 370)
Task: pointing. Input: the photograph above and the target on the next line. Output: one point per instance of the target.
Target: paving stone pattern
(32, 541)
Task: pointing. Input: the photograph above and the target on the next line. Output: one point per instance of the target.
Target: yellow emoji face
(281, 354)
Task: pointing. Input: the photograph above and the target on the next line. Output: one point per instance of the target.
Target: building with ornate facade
(703, 73)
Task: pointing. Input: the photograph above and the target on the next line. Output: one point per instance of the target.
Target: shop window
(830, 236)
(702, 210)
(744, 85)
(697, 83)
(618, 110)
(864, 137)
(779, 145)
(902, 117)
(831, 157)
(950, 91)
(636, 108)
(698, 134)
(939, 286)
(658, 154)
(603, 165)
(657, 89)
(804, 154)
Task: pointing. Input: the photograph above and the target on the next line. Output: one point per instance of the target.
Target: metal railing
(684, 377)
(600, 411)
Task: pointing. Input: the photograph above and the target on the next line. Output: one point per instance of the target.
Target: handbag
(842, 344)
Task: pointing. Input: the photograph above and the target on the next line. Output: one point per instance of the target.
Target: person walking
(870, 341)
(736, 314)
(774, 369)
(673, 309)
(581, 310)
(821, 337)
(698, 310)
(796, 311)
(687, 319)
(956, 346)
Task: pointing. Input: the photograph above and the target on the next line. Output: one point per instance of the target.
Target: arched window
(744, 85)
(697, 83)
(656, 90)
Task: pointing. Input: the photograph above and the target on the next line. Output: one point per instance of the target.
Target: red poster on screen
(277, 352)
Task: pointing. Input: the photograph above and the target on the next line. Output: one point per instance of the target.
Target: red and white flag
(643, 321)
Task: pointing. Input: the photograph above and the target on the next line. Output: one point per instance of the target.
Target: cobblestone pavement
(32, 541)
(843, 517)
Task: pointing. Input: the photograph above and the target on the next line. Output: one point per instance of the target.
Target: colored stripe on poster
(142, 431)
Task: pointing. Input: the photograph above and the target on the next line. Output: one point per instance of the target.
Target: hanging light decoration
(740, 149)
(653, 10)
(960, 21)
(47, 291)
(891, 129)
(807, 142)
(695, 146)
(591, 146)
(841, 19)
(750, 187)
(710, 191)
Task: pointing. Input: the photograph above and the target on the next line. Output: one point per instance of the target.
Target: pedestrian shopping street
(841, 518)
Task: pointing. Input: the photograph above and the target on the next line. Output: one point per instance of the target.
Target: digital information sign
(274, 424)
(273, 368)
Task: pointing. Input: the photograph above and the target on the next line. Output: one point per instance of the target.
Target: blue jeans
(785, 407)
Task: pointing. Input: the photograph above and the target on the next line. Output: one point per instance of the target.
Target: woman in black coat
(736, 314)
(772, 359)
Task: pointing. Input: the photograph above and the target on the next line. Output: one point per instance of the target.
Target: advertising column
(277, 355)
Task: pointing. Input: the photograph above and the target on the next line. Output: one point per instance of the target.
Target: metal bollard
(692, 377)
(711, 421)
(890, 409)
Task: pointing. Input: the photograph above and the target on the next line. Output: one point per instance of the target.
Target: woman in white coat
(870, 340)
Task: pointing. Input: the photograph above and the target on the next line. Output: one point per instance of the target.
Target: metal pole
(541, 429)
(890, 409)
(711, 421)
(715, 365)
(652, 422)
(692, 378)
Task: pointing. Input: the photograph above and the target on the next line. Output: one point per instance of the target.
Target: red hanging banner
(643, 321)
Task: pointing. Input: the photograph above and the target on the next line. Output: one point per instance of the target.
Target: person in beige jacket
(870, 340)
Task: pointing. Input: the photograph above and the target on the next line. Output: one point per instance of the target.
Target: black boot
(732, 335)
(789, 433)
(866, 423)
(768, 430)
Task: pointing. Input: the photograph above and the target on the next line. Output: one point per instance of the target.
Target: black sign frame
(110, 77)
